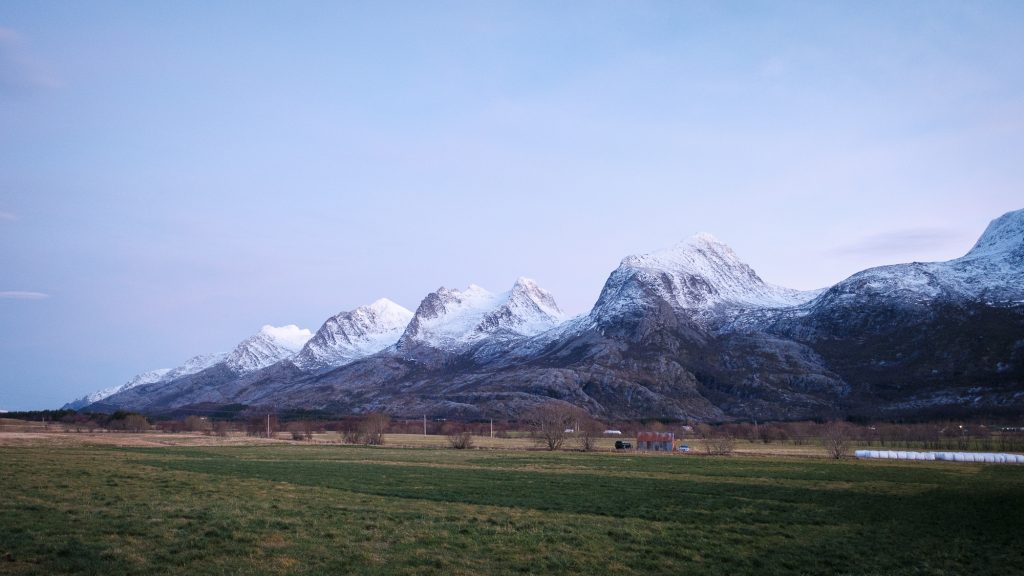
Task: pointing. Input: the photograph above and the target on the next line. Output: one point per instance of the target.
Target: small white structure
(613, 432)
(989, 457)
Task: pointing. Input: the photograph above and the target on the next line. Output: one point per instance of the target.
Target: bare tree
(718, 441)
(588, 431)
(549, 423)
(373, 427)
(460, 440)
(136, 423)
(836, 439)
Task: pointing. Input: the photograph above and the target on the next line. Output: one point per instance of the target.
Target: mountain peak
(525, 282)
(700, 274)
(452, 319)
(1004, 235)
(527, 290)
(703, 238)
(697, 253)
(384, 304)
(349, 336)
(270, 345)
(289, 336)
(386, 312)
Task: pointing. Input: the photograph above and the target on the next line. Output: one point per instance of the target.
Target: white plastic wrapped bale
(987, 457)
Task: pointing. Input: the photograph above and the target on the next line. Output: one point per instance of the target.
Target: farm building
(655, 441)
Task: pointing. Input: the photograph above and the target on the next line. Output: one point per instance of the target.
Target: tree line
(556, 425)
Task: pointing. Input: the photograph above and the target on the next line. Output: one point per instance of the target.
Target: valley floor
(72, 506)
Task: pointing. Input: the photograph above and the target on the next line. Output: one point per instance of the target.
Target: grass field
(330, 509)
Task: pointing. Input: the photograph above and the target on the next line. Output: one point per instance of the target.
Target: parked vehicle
(684, 448)
(621, 445)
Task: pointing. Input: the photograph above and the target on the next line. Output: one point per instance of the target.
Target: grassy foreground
(339, 509)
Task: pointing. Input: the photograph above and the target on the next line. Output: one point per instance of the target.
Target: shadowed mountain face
(686, 333)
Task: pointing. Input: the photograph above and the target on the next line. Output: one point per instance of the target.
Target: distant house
(655, 441)
(613, 432)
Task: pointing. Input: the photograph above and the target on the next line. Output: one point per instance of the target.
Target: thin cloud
(7, 216)
(900, 242)
(22, 295)
(20, 70)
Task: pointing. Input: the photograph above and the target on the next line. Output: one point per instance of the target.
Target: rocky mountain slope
(355, 334)
(137, 380)
(266, 348)
(688, 333)
(936, 337)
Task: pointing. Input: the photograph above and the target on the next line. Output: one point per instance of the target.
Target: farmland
(275, 508)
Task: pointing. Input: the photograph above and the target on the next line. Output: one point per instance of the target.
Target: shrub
(460, 440)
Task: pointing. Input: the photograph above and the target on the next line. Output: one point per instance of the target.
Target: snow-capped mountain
(137, 380)
(992, 271)
(195, 365)
(191, 366)
(453, 320)
(700, 276)
(268, 346)
(351, 335)
(685, 333)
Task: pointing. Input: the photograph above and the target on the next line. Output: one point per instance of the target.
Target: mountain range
(687, 333)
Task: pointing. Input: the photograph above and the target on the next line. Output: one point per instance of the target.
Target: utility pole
(424, 424)
(492, 427)
(268, 424)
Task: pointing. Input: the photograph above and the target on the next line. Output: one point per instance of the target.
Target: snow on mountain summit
(351, 335)
(452, 320)
(992, 271)
(270, 345)
(1004, 236)
(701, 275)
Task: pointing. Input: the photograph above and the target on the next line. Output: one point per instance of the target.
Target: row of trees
(557, 425)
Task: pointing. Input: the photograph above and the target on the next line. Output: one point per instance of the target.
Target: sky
(174, 175)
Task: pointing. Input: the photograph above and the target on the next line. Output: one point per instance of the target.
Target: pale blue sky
(175, 175)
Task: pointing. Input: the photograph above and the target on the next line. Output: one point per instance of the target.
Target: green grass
(338, 510)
